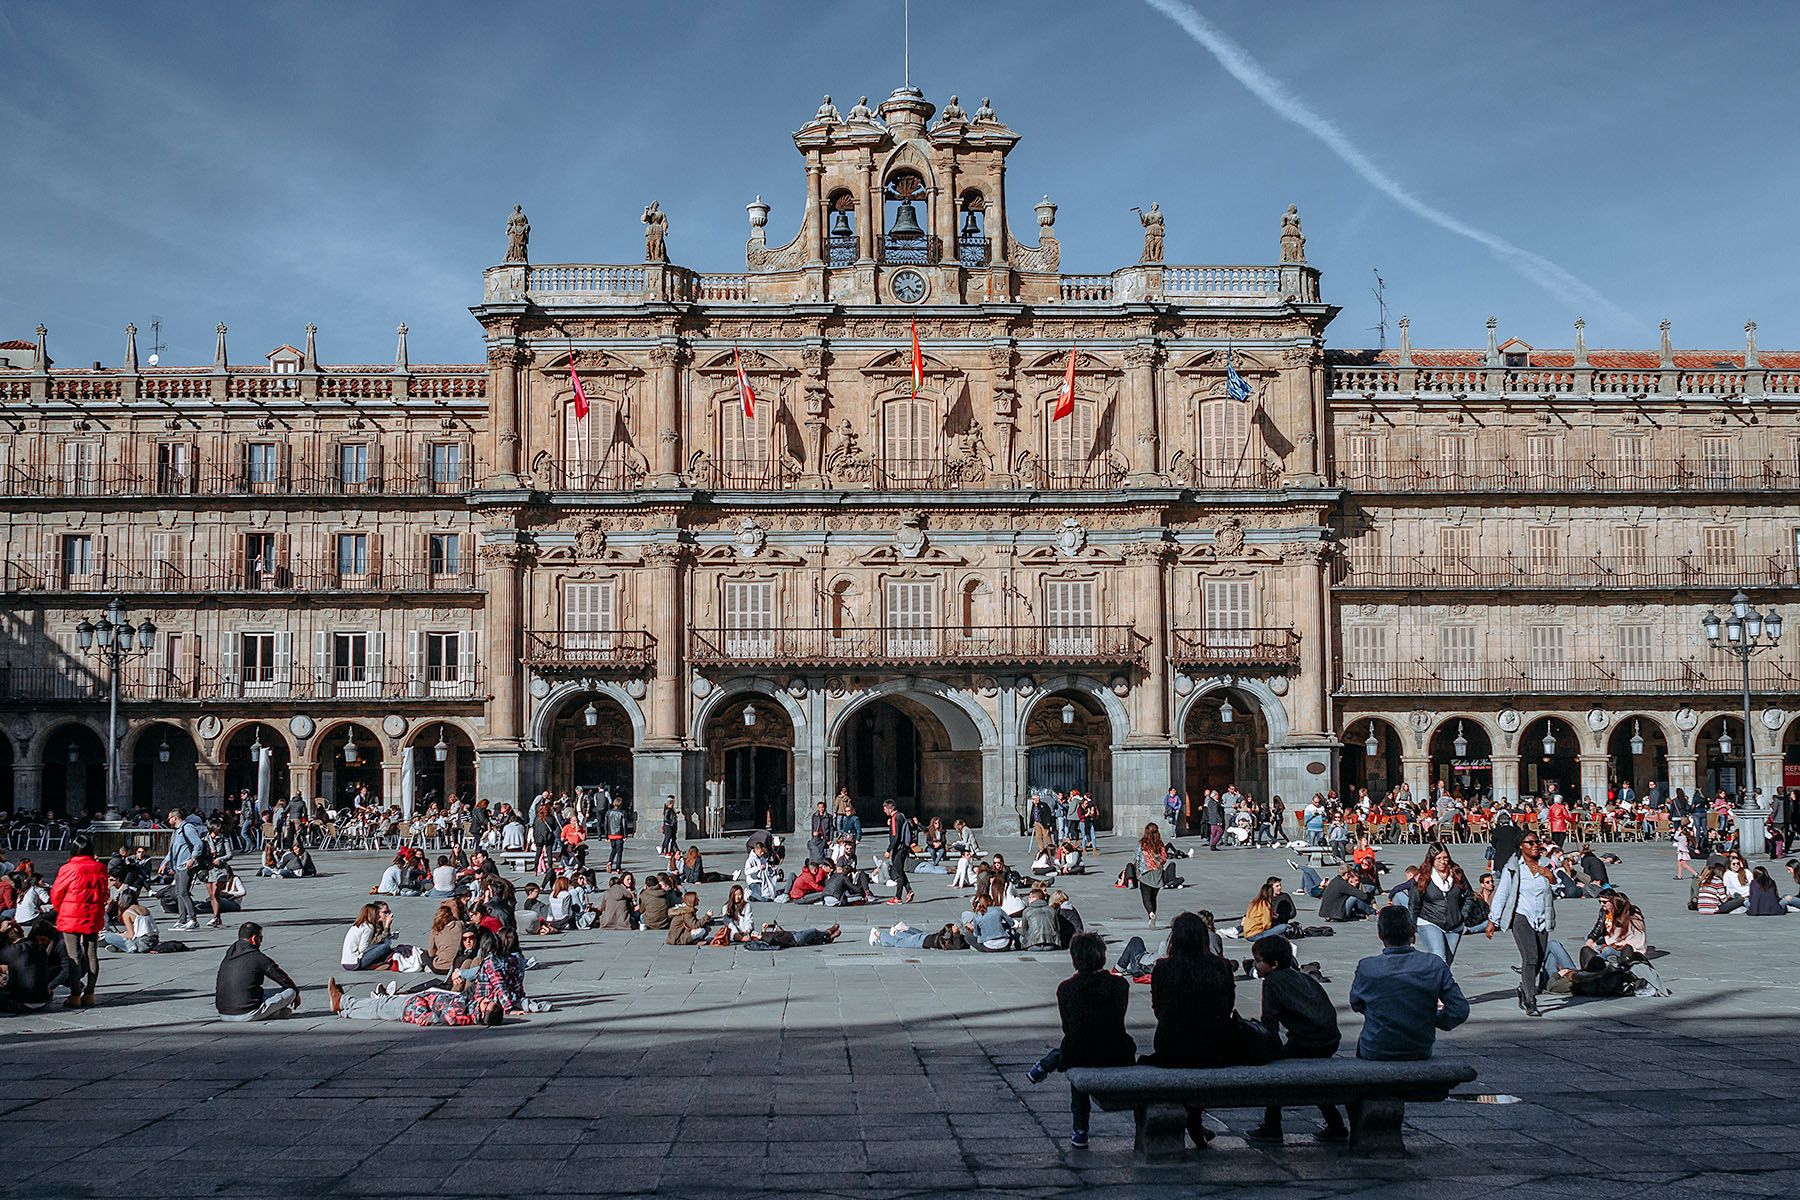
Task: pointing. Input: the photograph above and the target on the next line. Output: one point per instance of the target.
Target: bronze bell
(906, 224)
(970, 229)
(840, 224)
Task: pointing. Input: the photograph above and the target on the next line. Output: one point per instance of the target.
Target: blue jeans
(1354, 907)
(910, 939)
(1441, 942)
(1311, 882)
(1315, 837)
(374, 956)
(1556, 958)
(1087, 835)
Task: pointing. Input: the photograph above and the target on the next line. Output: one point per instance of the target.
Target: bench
(1375, 1094)
(518, 860)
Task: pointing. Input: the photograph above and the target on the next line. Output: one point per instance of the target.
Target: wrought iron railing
(228, 479)
(1261, 646)
(1078, 474)
(115, 573)
(972, 250)
(1510, 677)
(139, 683)
(590, 650)
(1644, 573)
(1648, 475)
(840, 250)
(917, 646)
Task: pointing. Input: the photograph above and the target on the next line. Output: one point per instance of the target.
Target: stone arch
(550, 707)
(722, 694)
(1115, 709)
(278, 729)
(968, 725)
(1273, 711)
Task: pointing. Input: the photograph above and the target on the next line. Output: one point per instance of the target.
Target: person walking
(185, 859)
(900, 838)
(1214, 811)
(1152, 859)
(79, 896)
(615, 835)
(671, 821)
(1525, 903)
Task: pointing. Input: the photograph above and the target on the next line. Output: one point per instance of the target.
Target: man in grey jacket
(187, 846)
(615, 835)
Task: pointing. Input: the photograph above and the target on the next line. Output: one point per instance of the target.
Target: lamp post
(1744, 633)
(113, 639)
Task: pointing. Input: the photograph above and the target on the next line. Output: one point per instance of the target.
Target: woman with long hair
(369, 944)
(1442, 909)
(737, 914)
(1152, 857)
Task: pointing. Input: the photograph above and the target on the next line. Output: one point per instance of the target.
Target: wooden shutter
(911, 612)
(1069, 613)
(1071, 440)
(749, 618)
(1228, 611)
(322, 673)
(377, 657)
(284, 656)
(465, 662)
(230, 649)
(415, 663)
(1224, 428)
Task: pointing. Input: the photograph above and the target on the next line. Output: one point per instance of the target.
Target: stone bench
(518, 860)
(1375, 1094)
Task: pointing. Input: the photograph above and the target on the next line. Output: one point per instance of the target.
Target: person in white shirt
(443, 879)
(1525, 903)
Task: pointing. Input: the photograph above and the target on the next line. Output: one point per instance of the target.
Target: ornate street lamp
(1637, 738)
(1371, 744)
(749, 714)
(591, 714)
(1068, 714)
(1549, 740)
(1746, 633)
(1225, 713)
(162, 751)
(113, 639)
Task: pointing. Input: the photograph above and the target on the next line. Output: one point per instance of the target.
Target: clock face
(908, 287)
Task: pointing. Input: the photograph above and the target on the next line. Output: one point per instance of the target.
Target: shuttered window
(1543, 547)
(1069, 613)
(1229, 612)
(750, 619)
(1224, 432)
(1634, 546)
(1716, 458)
(1071, 440)
(1456, 644)
(1366, 644)
(908, 442)
(1546, 645)
(1631, 456)
(1543, 457)
(1363, 457)
(1720, 545)
(588, 615)
(911, 613)
(1453, 455)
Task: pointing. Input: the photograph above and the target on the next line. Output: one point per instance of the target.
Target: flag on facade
(745, 392)
(1235, 385)
(1065, 399)
(581, 404)
(918, 361)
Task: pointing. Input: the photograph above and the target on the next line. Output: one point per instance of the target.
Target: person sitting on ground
(533, 911)
(1619, 935)
(986, 926)
(1346, 897)
(1068, 920)
(618, 907)
(139, 933)
(1037, 922)
(1069, 860)
(762, 879)
(772, 937)
(737, 916)
(1262, 917)
(1092, 1003)
(966, 870)
(238, 992)
(687, 926)
(32, 973)
(847, 885)
(1294, 1002)
(1709, 894)
(1044, 865)
(393, 880)
(278, 863)
(560, 910)
(446, 938)
(432, 1007)
(1405, 996)
(962, 840)
(443, 879)
(1765, 897)
(369, 944)
(1406, 892)
(1736, 878)
(809, 884)
(653, 903)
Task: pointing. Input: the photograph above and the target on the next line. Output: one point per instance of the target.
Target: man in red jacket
(79, 896)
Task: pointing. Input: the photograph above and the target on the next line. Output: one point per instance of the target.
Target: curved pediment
(754, 361)
(1057, 361)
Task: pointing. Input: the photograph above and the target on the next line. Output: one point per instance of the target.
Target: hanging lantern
(442, 749)
(1725, 742)
(1461, 744)
(162, 751)
(1372, 744)
(1637, 739)
(1225, 713)
(74, 753)
(749, 714)
(591, 714)
(350, 745)
(1549, 740)
(1068, 714)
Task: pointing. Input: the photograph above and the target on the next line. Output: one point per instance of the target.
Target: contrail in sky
(1265, 87)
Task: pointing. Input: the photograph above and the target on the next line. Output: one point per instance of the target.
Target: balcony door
(750, 619)
(1069, 615)
(911, 615)
(1229, 613)
(588, 617)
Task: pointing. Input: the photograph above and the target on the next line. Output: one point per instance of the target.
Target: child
(1092, 1002)
(1295, 1002)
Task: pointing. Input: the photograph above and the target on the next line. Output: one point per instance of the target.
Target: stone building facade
(931, 590)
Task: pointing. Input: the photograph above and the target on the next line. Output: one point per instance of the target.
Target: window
(746, 445)
(1366, 644)
(1719, 543)
(1453, 455)
(1715, 459)
(173, 467)
(1631, 456)
(1546, 646)
(1227, 609)
(446, 464)
(911, 613)
(1634, 547)
(750, 619)
(589, 448)
(588, 616)
(352, 554)
(353, 465)
(258, 658)
(1543, 548)
(443, 555)
(261, 464)
(1224, 439)
(81, 468)
(1543, 457)
(1456, 543)
(1515, 358)
(1070, 442)
(908, 447)
(1456, 644)
(1634, 644)
(843, 608)
(77, 556)
(1069, 613)
(1363, 458)
(259, 561)
(349, 662)
(443, 658)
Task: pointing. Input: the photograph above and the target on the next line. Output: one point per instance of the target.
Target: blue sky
(269, 164)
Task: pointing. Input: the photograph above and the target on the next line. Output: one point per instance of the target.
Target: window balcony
(912, 647)
(596, 651)
(1511, 677)
(1262, 646)
(1645, 573)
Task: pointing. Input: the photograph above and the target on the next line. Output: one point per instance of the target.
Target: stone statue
(953, 114)
(1293, 242)
(861, 113)
(827, 114)
(656, 230)
(518, 235)
(985, 112)
(1153, 233)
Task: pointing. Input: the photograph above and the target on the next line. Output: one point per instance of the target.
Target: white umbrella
(265, 771)
(406, 783)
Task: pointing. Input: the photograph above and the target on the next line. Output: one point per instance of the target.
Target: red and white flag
(745, 392)
(1065, 399)
(581, 404)
(918, 360)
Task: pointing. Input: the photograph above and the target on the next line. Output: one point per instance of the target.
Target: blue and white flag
(1235, 385)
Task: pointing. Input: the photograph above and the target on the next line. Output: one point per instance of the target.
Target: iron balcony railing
(125, 574)
(1077, 474)
(917, 646)
(139, 683)
(747, 474)
(972, 250)
(1646, 475)
(230, 479)
(590, 650)
(1261, 646)
(1510, 677)
(1505, 572)
(614, 475)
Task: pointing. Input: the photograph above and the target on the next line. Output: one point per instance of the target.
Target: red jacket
(79, 896)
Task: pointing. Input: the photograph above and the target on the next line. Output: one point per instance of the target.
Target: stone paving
(855, 1071)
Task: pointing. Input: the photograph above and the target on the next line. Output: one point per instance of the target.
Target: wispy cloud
(1272, 92)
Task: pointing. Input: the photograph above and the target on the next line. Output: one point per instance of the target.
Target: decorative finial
(1668, 354)
(1581, 357)
(1406, 341)
(309, 360)
(131, 363)
(219, 361)
(1750, 359)
(400, 351)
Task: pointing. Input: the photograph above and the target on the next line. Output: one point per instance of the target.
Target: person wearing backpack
(900, 839)
(187, 857)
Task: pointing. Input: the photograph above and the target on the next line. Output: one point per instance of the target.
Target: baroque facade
(933, 592)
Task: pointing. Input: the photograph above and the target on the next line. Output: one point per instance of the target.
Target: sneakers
(1292, 863)
(1078, 1139)
(897, 928)
(215, 923)
(874, 936)
(1231, 933)
(187, 926)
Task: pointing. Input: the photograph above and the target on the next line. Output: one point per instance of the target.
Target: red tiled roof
(18, 345)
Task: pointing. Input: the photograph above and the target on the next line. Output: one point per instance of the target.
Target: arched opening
(350, 762)
(243, 774)
(1637, 754)
(1462, 758)
(6, 774)
(74, 771)
(971, 230)
(1068, 744)
(443, 765)
(904, 238)
(1790, 756)
(840, 236)
(1371, 758)
(750, 763)
(590, 747)
(1549, 761)
(1719, 758)
(898, 748)
(1227, 742)
(165, 770)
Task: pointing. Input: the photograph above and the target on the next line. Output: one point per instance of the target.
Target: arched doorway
(351, 759)
(74, 771)
(1549, 760)
(443, 764)
(242, 774)
(1719, 758)
(1227, 742)
(1068, 744)
(1371, 758)
(921, 751)
(750, 763)
(590, 747)
(1638, 754)
(1790, 756)
(164, 770)
(1462, 758)
(6, 774)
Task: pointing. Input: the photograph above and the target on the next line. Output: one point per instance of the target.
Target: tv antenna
(906, 42)
(1380, 293)
(156, 342)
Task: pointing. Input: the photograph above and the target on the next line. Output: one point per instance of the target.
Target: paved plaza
(856, 1071)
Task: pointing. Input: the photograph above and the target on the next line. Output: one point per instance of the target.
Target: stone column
(665, 764)
(1151, 622)
(1505, 775)
(815, 208)
(1593, 773)
(1415, 769)
(505, 358)
(1006, 399)
(667, 357)
(1146, 456)
(498, 769)
(871, 211)
(1306, 588)
(28, 786)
